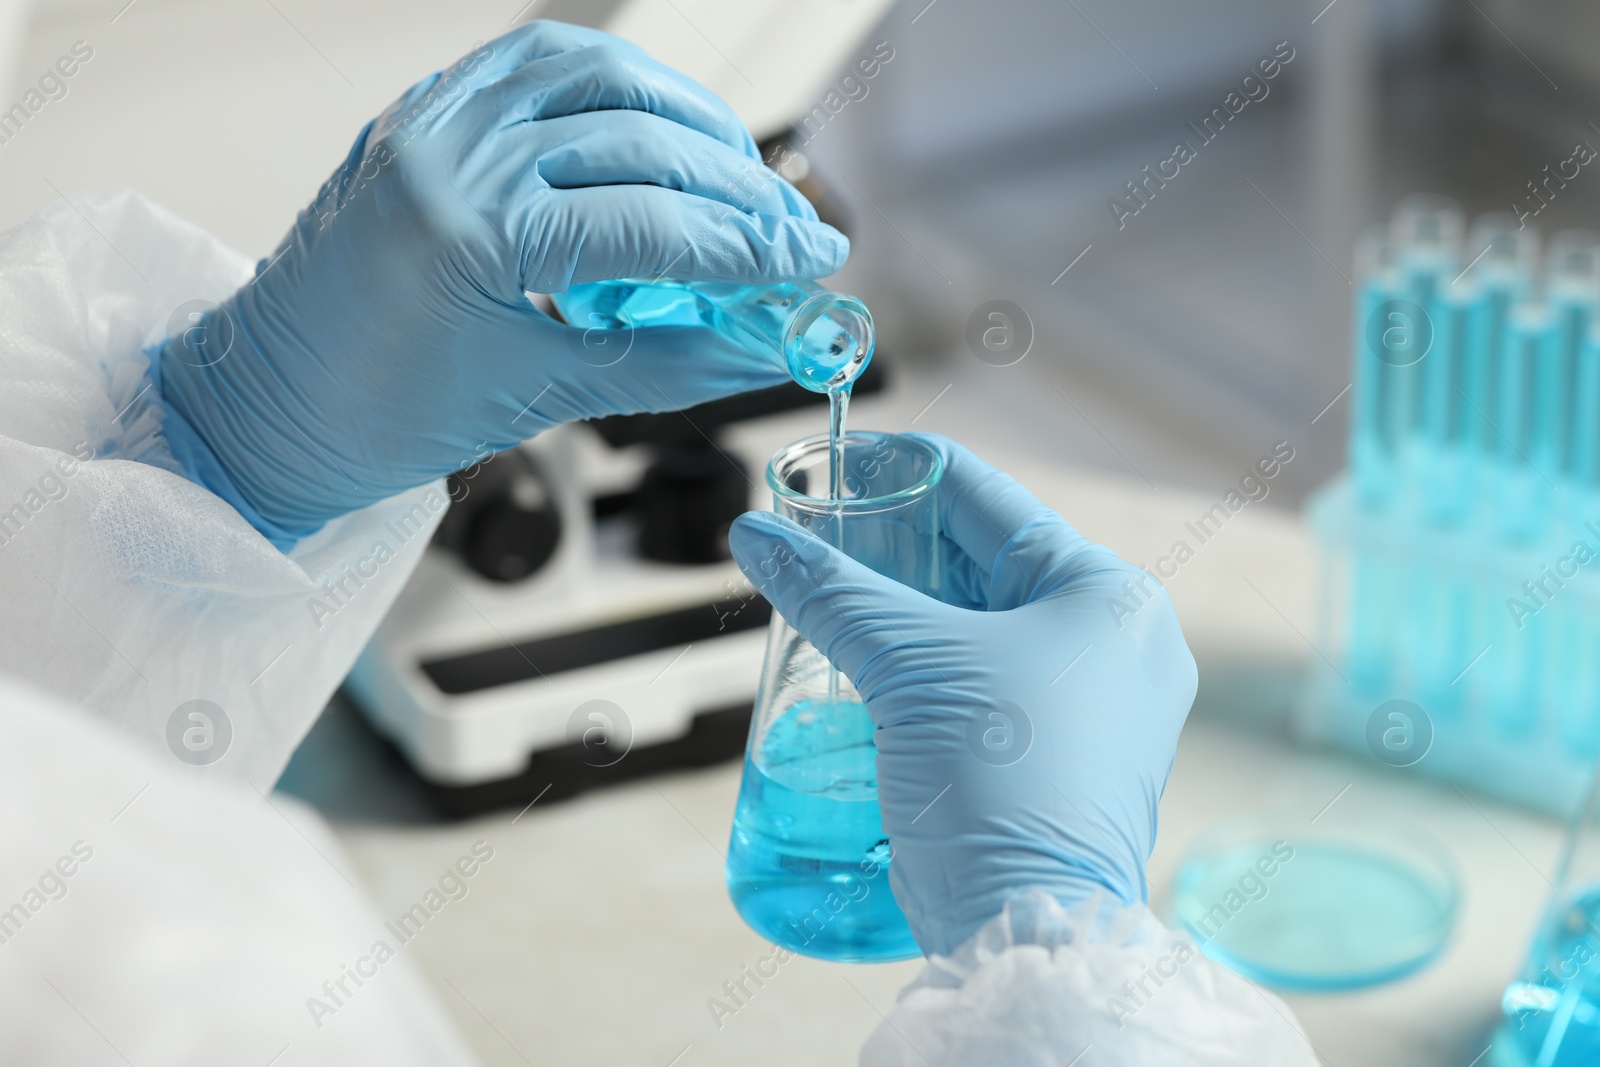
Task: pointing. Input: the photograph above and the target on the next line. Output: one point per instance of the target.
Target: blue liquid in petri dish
(1336, 916)
(1553, 1020)
(808, 864)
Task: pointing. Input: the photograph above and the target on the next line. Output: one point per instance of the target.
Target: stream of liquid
(838, 405)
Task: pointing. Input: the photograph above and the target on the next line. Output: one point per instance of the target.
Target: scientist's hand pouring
(387, 341)
(1089, 711)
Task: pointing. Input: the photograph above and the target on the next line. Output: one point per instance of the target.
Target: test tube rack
(1460, 550)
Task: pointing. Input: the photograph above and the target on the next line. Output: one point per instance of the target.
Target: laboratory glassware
(1460, 549)
(1426, 232)
(1551, 1012)
(821, 338)
(808, 862)
(1349, 901)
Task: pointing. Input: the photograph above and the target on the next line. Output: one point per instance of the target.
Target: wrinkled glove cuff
(200, 464)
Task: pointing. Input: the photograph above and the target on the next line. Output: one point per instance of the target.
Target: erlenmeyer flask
(821, 338)
(808, 863)
(1552, 1010)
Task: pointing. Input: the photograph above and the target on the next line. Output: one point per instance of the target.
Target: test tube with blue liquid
(1522, 499)
(1526, 427)
(1502, 277)
(1372, 458)
(821, 338)
(1390, 334)
(1572, 290)
(1585, 458)
(1437, 643)
(1447, 456)
(1426, 235)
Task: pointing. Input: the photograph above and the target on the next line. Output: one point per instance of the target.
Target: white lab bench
(601, 927)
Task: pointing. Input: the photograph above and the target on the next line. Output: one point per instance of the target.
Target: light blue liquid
(1553, 1018)
(808, 863)
(823, 340)
(1334, 916)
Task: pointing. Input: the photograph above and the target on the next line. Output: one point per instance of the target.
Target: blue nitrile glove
(388, 342)
(1025, 736)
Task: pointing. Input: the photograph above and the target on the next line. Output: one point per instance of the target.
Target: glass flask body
(820, 338)
(808, 862)
(1551, 1012)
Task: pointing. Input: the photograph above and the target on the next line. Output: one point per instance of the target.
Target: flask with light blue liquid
(808, 860)
(1551, 1012)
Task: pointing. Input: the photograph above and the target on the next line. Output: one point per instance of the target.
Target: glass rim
(818, 304)
(790, 454)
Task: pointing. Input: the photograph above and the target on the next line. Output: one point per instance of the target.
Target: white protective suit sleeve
(1042, 985)
(124, 587)
(148, 916)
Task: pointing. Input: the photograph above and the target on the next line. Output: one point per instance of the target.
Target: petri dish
(1317, 908)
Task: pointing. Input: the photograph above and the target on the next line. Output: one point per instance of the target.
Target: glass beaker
(823, 339)
(808, 861)
(1552, 1011)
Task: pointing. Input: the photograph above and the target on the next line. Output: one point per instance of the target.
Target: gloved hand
(388, 341)
(1024, 733)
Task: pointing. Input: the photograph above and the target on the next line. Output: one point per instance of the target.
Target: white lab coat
(161, 908)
